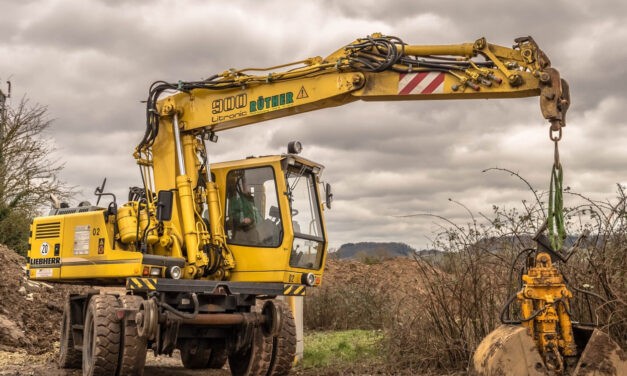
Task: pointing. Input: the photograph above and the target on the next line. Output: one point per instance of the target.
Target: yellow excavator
(205, 250)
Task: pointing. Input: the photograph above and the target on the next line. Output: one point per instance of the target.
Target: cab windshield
(252, 209)
(308, 245)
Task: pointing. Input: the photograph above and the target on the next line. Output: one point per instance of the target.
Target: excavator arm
(375, 68)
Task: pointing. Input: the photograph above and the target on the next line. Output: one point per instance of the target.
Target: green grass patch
(341, 348)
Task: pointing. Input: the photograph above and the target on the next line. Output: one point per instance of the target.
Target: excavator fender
(507, 350)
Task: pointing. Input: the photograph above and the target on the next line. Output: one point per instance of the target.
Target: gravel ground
(23, 364)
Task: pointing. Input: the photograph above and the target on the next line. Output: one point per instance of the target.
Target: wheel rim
(88, 344)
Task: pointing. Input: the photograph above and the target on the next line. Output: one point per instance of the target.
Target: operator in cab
(243, 215)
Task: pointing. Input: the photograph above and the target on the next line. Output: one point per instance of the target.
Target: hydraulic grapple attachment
(510, 350)
(545, 340)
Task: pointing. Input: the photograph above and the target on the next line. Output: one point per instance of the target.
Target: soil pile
(30, 312)
(358, 295)
(396, 274)
(398, 277)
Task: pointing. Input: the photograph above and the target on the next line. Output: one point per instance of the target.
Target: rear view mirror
(328, 195)
(164, 205)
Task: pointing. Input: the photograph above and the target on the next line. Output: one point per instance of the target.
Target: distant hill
(373, 250)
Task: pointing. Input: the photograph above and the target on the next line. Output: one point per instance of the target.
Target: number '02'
(95, 231)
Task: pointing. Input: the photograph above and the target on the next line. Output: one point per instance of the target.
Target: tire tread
(69, 356)
(284, 344)
(106, 336)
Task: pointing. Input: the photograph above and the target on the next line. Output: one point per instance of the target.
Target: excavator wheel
(101, 338)
(254, 360)
(510, 351)
(218, 358)
(132, 347)
(284, 343)
(69, 356)
(195, 353)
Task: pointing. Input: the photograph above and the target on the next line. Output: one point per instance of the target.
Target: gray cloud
(91, 63)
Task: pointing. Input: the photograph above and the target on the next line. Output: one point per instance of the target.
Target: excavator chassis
(210, 322)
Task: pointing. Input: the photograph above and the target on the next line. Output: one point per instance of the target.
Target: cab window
(308, 245)
(253, 217)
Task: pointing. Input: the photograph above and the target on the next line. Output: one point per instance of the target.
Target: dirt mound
(30, 312)
(397, 276)
(358, 295)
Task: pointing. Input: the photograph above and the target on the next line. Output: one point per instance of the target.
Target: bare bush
(349, 307)
(462, 293)
(465, 291)
(597, 271)
(481, 269)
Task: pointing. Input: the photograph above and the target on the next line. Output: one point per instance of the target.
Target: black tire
(69, 356)
(132, 358)
(284, 344)
(195, 353)
(218, 358)
(101, 338)
(254, 360)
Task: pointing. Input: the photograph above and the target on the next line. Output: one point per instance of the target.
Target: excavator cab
(273, 218)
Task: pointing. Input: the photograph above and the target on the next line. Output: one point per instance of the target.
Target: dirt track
(25, 365)
(30, 314)
(22, 364)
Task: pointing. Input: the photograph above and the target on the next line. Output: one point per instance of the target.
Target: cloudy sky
(91, 63)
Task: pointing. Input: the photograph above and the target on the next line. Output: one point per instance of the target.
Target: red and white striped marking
(421, 83)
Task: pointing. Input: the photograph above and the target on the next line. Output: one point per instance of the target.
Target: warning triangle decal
(302, 94)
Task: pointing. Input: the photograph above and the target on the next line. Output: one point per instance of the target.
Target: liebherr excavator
(203, 250)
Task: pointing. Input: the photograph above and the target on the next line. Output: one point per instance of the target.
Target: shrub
(14, 228)
(438, 326)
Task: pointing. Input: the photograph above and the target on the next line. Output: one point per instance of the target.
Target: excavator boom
(376, 68)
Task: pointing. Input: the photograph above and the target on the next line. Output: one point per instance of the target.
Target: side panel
(44, 255)
(78, 246)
